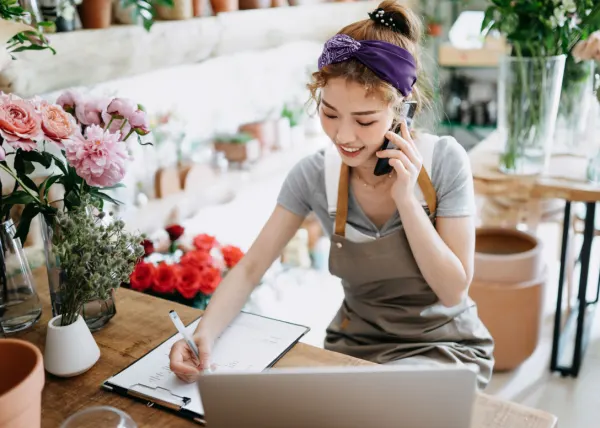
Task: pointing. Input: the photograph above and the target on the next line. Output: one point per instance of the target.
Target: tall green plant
(536, 31)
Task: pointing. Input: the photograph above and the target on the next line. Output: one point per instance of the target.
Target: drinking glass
(99, 416)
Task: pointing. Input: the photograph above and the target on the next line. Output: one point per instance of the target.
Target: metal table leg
(577, 317)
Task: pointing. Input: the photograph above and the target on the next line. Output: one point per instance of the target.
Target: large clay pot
(21, 384)
(504, 255)
(513, 315)
(95, 13)
(264, 132)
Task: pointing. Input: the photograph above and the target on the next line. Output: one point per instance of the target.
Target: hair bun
(392, 15)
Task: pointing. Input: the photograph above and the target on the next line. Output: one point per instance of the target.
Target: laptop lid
(349, 397)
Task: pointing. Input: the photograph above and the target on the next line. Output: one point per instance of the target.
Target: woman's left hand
(406, 161)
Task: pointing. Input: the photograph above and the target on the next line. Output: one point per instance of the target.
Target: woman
(402, 243)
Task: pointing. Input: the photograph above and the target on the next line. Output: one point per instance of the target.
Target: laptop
(346, 397)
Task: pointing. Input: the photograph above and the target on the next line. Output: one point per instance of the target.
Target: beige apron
(389, 312)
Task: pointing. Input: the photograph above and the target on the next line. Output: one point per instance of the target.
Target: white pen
(181, 328)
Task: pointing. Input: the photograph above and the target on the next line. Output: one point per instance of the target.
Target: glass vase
(528, 97)
(96, 312)
(574, 108)
(20, 306)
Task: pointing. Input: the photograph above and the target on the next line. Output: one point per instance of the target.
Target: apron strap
(426, 186)
(341, 215)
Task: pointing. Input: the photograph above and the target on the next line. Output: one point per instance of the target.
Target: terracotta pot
(434, 30)
(508, 256)
(198, 8)
(95, 13)
(264, 132)
(181, 10)
(279, 3)
(254, 4)
(513, 315)
(239, 152)
(21, 383)
(219, 6)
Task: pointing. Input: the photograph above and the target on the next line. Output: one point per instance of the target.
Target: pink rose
(139, 122)
(68, 100)
(89, 111)
(20, 123)
(57, 124)
(98, 157)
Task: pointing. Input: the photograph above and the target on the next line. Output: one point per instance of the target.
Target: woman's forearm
(227, 302)
(440, 267)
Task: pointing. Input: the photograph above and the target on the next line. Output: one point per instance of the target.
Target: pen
(181, 328)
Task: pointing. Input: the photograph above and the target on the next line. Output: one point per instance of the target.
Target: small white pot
(70, 350)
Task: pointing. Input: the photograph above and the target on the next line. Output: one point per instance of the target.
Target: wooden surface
(142, 323)
(565, 178)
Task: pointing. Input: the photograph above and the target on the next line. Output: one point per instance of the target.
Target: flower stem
(129, 135)
(109, 123)
(25, 188)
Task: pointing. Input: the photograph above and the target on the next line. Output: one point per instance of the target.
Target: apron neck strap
(341, 217)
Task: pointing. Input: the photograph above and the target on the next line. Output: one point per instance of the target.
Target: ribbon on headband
(389, 62)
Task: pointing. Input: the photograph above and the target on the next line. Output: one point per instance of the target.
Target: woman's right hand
(183, 361)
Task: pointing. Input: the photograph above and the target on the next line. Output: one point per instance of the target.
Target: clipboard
(155, 395)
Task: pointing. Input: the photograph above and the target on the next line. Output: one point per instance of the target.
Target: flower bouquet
(187, 273)
(542, 35)
(80, 144)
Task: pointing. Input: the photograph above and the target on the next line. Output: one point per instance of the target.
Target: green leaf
(18, 197)
(27, 215)
(47, 184)
(72, 200)
(108, 198)
(34, 156)
(488, 19)
(57, 161)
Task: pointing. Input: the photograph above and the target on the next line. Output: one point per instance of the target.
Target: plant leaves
(34, 156)
(107, 198)
(27, 215)
(18, 197)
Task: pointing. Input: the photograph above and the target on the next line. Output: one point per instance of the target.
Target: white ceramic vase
(70, 350)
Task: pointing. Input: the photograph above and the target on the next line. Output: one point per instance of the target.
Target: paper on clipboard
(250, 343)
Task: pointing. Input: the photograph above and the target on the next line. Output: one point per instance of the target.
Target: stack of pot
(508, 287)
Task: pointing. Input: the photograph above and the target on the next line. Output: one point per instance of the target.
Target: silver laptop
(345, 397)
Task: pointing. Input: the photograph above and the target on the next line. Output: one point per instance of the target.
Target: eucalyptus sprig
(95, 257)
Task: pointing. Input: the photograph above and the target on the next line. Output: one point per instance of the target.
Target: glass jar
(20, 305)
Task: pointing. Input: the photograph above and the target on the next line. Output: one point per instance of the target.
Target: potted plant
(434, 26)
(541, 34)
(95, 257)
(240, 147)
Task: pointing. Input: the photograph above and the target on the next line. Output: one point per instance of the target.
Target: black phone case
(383, 167)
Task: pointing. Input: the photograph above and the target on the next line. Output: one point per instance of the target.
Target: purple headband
(389, 62)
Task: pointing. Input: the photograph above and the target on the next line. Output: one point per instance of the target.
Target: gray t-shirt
(304, 189)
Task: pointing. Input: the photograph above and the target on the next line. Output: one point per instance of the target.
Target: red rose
(167, 278)
(148, 247)
(142, 277)
(175, 231)
(197, 259)
(204, 242)
(232, 255)
(189, 281)
(209, 279)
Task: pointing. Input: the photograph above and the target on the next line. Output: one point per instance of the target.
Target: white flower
(559, 18)
(570, 6)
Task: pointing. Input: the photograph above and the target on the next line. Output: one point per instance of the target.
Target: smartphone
(408, 112)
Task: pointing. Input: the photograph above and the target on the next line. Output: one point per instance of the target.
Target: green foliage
(94, 257)
(145, 10)
(541, 28)
(10, 10)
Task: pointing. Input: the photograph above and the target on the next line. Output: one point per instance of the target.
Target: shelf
(449, 124)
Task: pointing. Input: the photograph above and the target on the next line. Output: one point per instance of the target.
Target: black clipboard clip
(168, 399)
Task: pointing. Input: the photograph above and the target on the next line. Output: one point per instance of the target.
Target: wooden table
(141, 324)
(565, 179)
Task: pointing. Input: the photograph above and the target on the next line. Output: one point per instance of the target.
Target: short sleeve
(453, 179)
(296, 192)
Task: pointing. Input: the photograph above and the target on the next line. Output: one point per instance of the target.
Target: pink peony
(139, 122)
(99, 158)
(20, 123)
(57, 124)
(89, 111)
(121, 107)
(120, 126)
(68, 100)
